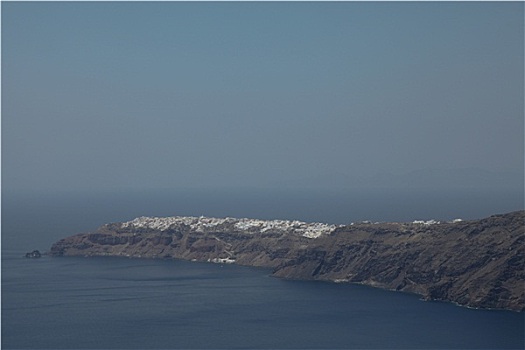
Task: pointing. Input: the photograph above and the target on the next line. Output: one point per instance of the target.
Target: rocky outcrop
(35, 254)
(478, 263)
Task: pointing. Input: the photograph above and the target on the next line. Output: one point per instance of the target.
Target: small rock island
(474, 263)
(34, 254)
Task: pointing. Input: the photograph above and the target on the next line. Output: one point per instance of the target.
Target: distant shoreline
(475, 263)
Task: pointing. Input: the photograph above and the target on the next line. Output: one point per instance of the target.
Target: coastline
(477, 263)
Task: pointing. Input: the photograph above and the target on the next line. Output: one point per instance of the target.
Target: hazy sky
(124, 95)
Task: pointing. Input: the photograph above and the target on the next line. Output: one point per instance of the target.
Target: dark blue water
(119, 303)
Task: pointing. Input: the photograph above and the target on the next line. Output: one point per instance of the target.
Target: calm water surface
(136, 303)
(120, 303)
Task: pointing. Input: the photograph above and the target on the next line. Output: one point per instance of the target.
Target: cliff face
(477, 263)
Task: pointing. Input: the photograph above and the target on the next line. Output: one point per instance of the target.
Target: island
(474, 263)
(35, 254)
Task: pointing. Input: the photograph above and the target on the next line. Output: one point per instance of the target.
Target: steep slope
(477, 263)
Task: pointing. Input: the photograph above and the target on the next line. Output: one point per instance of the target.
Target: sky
(137, 95)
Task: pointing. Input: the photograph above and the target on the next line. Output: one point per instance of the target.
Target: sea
(132, 303)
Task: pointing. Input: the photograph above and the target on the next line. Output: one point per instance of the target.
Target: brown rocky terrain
(478, 263)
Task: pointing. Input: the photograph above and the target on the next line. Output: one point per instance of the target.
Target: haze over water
(126, 96)
(36, 221)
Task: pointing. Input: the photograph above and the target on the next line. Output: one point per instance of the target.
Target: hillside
(479, 263)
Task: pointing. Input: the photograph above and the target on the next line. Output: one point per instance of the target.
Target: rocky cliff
(478, 263)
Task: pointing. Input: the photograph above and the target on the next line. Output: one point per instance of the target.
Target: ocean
(121, 303)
